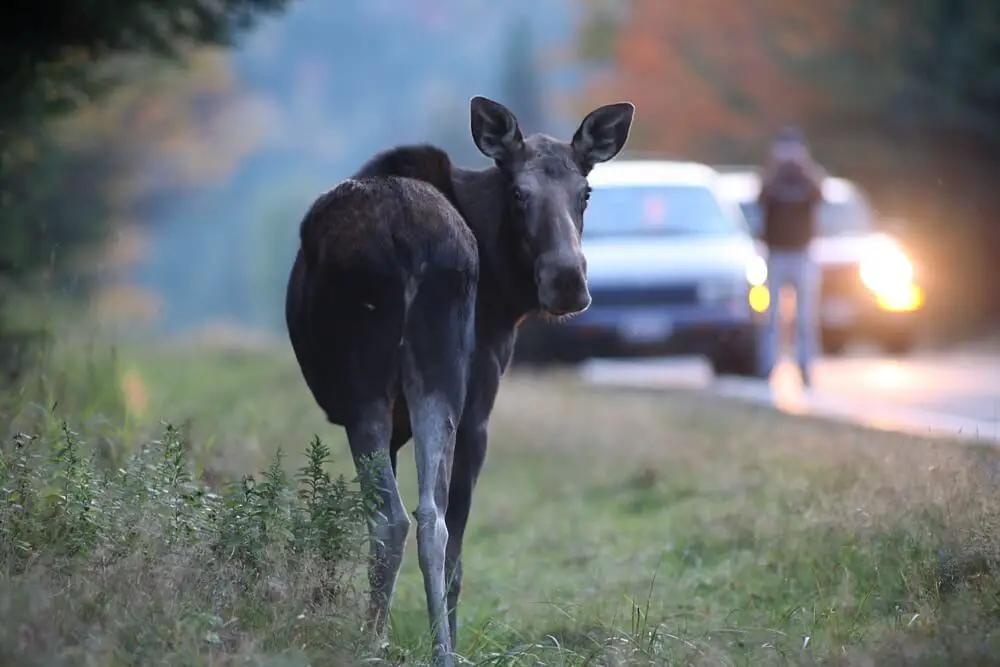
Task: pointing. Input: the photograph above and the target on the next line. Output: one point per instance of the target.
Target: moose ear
(603, 133)
(495, 129)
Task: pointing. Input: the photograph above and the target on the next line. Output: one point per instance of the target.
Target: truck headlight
(888, 273)
(759, 297)
(756, 271)
(885, 268)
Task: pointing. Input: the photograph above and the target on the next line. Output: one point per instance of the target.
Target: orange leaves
(678, 101)
(702, 72)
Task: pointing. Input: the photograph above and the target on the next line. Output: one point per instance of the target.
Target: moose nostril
(569, 280)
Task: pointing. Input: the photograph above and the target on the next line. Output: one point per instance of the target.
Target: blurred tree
(55, 179)
(120, 159)
(951, 51)
(521, 87)
(601, 20)
(61, 184)
(700, 69)
(51, 59)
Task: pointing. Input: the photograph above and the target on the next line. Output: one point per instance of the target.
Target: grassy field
(609, 528)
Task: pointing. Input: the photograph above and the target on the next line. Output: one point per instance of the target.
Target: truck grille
(653, 295)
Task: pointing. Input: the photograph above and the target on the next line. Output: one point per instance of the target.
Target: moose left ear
(603, 133)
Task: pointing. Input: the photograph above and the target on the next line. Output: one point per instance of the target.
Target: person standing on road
(791, 191)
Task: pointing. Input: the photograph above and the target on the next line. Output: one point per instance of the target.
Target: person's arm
(816, 175)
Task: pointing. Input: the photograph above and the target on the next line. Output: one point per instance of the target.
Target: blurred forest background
(166, 192)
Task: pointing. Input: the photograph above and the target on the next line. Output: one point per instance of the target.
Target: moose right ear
(494, 129)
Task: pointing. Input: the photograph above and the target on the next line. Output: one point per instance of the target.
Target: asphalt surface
(955, 393)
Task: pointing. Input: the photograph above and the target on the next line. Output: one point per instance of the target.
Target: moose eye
(584, 198)
(520, 196)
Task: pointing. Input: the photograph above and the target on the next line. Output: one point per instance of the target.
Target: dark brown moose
(402, 309)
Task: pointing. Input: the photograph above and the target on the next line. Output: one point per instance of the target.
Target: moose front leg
(470, 454)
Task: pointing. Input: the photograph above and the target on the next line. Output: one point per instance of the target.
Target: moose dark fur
(402, 309)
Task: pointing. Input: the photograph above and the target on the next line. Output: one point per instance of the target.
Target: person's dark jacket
(789, 200)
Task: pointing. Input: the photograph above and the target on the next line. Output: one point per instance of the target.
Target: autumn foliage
(708, 72)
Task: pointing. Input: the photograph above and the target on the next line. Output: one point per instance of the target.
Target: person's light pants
(798, 270)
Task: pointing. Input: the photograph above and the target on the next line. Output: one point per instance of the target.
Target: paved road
(947, 393)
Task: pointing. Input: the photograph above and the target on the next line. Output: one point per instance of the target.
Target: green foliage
(67, 185)
(318, 524)
(61, 188)
(65, 523)
(77, 381)
(926, 63)
(951, 52)
(56, 200)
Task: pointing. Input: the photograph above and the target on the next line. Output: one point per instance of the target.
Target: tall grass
(144, 564)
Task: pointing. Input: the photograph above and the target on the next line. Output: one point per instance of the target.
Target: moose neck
(506, 292)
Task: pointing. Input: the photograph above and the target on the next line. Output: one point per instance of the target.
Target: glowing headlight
(756, 271)
(886, 268)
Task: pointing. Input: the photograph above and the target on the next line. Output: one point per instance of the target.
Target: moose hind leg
(434, 435)
(388, 525)
(435, 366)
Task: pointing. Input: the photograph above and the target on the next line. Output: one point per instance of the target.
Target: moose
(402, 308)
